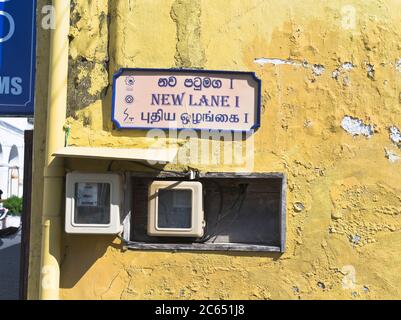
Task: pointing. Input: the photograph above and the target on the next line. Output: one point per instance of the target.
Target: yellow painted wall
(349, 188)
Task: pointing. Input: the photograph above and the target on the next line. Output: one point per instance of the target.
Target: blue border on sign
(28, 108)
(253, 74)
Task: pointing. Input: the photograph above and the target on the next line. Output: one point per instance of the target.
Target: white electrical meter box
(175, 209)
(93, 203)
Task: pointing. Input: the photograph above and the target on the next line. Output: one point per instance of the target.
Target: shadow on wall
(80, 253)
(113, 67)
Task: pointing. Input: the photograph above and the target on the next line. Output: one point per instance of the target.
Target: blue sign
(17, 57)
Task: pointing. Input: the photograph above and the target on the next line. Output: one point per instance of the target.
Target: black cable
(244, 188)
(206, 237)
(220, 217)
(110, 164)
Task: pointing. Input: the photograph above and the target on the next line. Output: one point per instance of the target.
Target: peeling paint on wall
(347, 66)
(186, 14)
(318, 69)
(335, 74)
(395, 136)
(277, 62)
(370, 71)
(88, 82)
(398, 65)
(356, 127)
(343, 72)
(391, 156)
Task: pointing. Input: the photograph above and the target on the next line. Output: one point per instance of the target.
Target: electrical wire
(220, 216)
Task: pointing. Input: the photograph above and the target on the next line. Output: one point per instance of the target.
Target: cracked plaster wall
(343, 198)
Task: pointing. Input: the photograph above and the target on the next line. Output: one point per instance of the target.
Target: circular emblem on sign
(11, 28)
(129, 99)
(129, 81)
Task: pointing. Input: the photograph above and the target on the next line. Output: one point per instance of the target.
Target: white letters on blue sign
(11, 85)
(17, 57)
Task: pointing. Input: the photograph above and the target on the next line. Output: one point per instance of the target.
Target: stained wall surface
(331, 101)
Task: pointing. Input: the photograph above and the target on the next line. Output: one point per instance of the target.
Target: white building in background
(12, 155)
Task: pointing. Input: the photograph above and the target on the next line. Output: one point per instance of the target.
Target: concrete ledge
(149, 154)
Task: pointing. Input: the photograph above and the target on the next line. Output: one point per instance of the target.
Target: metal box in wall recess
(175, 209)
